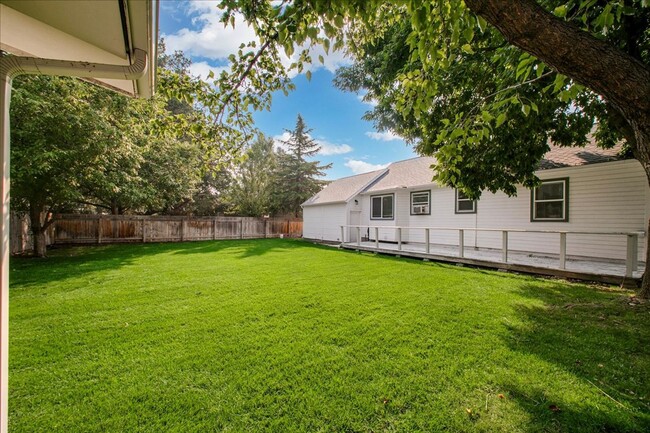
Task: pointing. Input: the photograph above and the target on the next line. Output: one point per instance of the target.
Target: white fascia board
(323, 203)
(23, 35)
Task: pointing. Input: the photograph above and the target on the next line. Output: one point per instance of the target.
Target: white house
(583, 190)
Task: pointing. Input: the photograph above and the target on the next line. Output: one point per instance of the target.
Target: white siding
(400, 213)
(323, 222)
(610, 196)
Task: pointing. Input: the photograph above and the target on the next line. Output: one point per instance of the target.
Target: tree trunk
(621, 79)
(36, 220)
(645, 283)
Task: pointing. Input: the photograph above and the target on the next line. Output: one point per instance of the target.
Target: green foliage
(76, 146)
(297, 179)
(57, 139)
(449, 82)
(285, 336)
(251, 191)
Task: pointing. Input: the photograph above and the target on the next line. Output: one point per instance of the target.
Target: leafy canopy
(449, 82)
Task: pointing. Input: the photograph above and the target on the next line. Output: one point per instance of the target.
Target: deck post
(426, 241)
(376, 237)
(632, 252)
(504, 246)
(461, 243)
(342, 234)
(358, 236)
(399, 239)
(563, 250)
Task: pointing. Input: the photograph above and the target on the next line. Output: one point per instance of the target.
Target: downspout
(11, 67)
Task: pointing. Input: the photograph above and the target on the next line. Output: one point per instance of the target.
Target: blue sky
(347, 141)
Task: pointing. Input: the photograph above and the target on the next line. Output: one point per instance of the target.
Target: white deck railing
(631, 261)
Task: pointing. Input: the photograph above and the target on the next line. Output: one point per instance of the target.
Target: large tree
(296, 178)
(75, 144)
(56, 138)
(148, 169)
(506, 56)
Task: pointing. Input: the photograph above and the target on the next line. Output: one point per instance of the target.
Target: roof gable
(405, 174)
(342, 190)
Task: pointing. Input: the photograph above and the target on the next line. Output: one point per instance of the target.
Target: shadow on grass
(444, 265)
(246, 247)
(595, 335)
(75, 261)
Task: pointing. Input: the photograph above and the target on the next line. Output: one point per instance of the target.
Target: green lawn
(283, 335)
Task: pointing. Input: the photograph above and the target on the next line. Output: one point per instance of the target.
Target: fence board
(105, 229)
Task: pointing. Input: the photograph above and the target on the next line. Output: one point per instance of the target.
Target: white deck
(582, 267)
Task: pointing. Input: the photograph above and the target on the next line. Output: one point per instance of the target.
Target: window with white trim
(421, 203)
(381, 207)
(464, 204)
(550, 201)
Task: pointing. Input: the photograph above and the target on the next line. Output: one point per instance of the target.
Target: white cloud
(371, 102)
(359, 167)
(212, 40)
(202, 69)
(326, 148)
(383, 136)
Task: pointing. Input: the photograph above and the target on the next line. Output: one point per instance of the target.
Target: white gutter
(11, 67)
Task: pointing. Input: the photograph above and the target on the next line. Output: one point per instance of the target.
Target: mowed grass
(286, 336)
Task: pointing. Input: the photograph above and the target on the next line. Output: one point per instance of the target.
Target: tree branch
(243, 77)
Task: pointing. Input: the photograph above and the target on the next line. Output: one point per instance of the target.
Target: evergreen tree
(296, 178)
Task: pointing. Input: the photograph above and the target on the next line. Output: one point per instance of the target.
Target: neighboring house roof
(559, 157)
(416, 172)
(342, 190)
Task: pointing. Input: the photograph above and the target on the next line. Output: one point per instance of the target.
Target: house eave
(106, 33)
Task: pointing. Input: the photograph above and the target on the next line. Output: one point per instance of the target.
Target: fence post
(266, 223)
(399, 239)
(214, 229)
(99, 230)
(342, 234)
(461, 243)
(563, 250)
(377, 237)
(504, 246)
(426, 241)
(632, 252)
(182, 229)
(241, 228)
(144, 233)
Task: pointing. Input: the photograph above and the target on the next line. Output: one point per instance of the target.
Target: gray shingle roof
(559, 157)
(408, 173)
(342, 190)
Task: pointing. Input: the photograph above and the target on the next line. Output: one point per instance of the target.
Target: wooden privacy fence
(105, 229)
